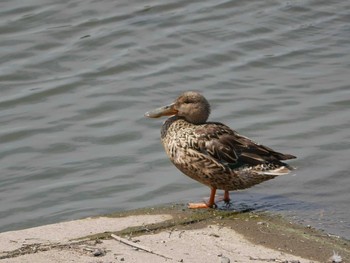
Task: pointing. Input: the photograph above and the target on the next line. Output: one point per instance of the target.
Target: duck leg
(226, 197)
(210, 203)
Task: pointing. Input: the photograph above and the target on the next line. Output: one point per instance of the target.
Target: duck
(211, 152)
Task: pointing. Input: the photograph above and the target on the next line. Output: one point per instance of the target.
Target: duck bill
(168, 110)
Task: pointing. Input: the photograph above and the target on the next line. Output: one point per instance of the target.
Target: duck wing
(230, 148)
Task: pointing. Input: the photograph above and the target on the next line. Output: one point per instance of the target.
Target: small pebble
(225, 260)
(98, 241)
(122, 259)
(98, 252)
(336, 258)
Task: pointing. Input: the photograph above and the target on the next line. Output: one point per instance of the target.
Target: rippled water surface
(77, 76)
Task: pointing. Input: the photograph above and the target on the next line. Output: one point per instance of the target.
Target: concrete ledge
(173, 234)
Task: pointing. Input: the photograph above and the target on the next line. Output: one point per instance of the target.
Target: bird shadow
(230, 206)
(262, 202)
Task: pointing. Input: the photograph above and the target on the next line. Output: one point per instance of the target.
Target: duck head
(190, 105)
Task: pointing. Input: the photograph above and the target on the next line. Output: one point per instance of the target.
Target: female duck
(210, 152)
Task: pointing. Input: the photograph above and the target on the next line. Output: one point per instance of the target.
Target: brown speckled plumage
(212, 153)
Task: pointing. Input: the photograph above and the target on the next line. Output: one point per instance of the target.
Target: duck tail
(283, 156)
(282, 170)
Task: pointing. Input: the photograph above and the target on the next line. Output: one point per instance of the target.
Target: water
(77, 76)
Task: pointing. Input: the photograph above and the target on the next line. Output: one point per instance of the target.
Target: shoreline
(174, 233)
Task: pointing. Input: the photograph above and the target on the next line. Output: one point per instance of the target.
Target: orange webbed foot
(210, 204)
(200, 205)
